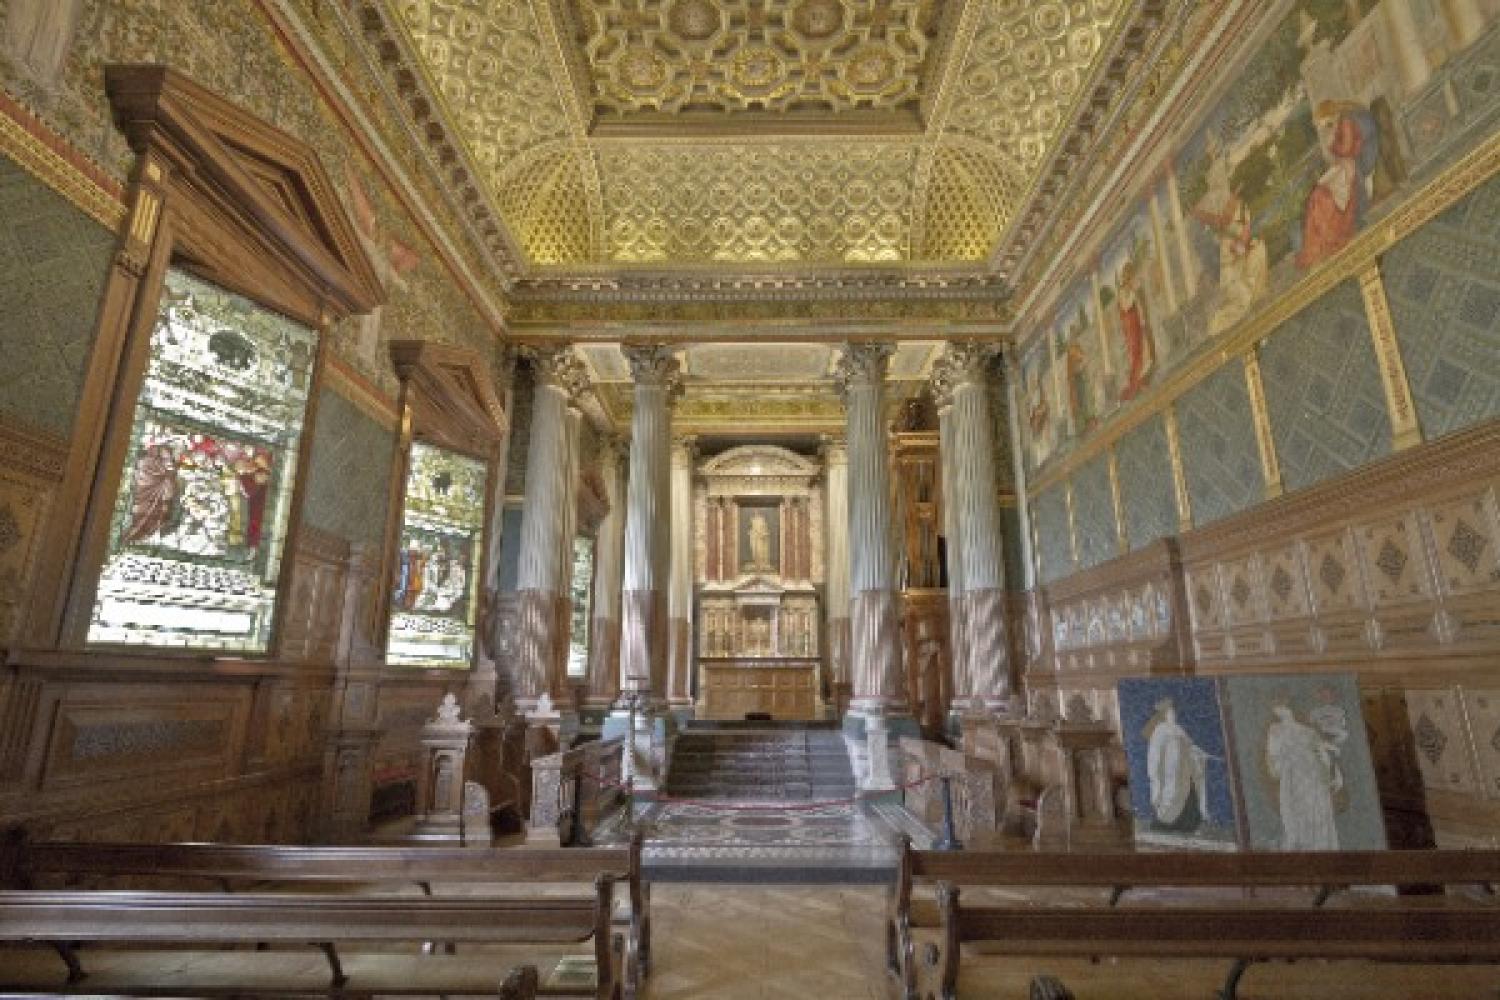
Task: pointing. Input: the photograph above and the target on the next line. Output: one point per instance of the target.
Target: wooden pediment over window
(452, 395)
(263, 215)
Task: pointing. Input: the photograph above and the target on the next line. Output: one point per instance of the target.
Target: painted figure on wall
(1177, 772)
(1242, 270)
(1335, 207)
(1303, 764)
(39, 33)
(393, 261)
(1135, 329)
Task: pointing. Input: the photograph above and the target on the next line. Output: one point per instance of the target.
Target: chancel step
(759, 764)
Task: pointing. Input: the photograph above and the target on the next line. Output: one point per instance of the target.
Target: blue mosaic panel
(1054, 550)
(200, 518)
(1443, 284)
(348, 475)
(1177, 750)
(1146, 490)
(1094, 514)
(53, 264)
(1219, 457)
(1323, 390)
(436, 590)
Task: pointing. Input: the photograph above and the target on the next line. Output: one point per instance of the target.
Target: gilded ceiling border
(552, 23)
(1442, 193)
(302, 41)
(49, 158)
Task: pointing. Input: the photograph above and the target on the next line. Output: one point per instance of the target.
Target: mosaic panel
(1219, 456)
(53, 264)
(437, 574)
(1333, 573)
(348, 477)
(1286, 583)
(1094, 514)
(1054, 548)
(1242, 590)
(1323, 390)
(199, 523)
(1436, 719)
(1146, 489)
(1444, 292)
(1206, 598)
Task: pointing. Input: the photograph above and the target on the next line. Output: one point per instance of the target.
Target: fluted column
(954, 551)
(609, 557)
(540, 584)
(680, 595)
(836, 561)
(976, 508)
(557, 683)
(874, 615)
(486, 688)
(643, 647)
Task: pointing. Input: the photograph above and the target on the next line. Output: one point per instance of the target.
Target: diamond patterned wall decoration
(1146, 484)
(1444, 292)
(349, 475)
(1054, 550)
(1219, 456)
(1323, 390)
(1094, 514)
(53, 264)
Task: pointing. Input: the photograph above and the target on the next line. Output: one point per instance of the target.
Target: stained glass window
(580, 592)
(199, 522)
(437, 569)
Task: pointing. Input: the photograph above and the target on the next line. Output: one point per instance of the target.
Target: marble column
(609, 556)
(976, 507)
(954, 550)
(643, 647)
(486, 689)
(875, 620)
(680, 591)
(540, 585)
(558, 679)
(836, 561)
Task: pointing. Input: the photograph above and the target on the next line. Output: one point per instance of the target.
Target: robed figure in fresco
(153, 491)
(1303, 763)
(1335, 206)
(1140, 352)
(1177, 770)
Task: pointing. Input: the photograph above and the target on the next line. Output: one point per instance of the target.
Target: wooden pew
(1186, 930)
(25, 864)
(175, 919)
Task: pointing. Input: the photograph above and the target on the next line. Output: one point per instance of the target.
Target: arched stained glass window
(200, 518)
(437, 563)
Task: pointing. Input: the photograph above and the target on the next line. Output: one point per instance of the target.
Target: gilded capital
(653, 364)
(560, 368)
(863, 363)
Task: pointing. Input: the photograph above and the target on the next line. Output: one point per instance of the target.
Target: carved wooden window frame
(448, 400)
(228, 198)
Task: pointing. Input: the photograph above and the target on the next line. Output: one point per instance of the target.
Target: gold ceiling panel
(746, 202)
(714, 169)
(1027, 67)
(707, 58)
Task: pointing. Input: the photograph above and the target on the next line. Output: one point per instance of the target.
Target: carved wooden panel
(30, 471)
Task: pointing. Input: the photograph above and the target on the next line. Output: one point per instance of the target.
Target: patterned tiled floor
(736, 843)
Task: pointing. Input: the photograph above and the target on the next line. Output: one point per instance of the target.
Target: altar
(758, 621)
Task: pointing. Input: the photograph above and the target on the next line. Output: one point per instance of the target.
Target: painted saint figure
(1302, 763)
(1335, 206)
(1135, 327)
(1243, 268)
(1177, 770)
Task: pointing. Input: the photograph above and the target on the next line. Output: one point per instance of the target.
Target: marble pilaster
(609, 555)
(836, 538)
(680, 590)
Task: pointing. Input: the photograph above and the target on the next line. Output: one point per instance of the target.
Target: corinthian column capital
(965, 362)
(861, 364)
(560, 368)
(652, 364)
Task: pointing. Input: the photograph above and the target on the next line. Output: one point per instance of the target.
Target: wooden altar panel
(787, 689)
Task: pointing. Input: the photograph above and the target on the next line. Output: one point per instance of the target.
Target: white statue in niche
(1304, 764)
(760, 542)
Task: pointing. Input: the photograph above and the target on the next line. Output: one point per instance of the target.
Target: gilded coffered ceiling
(724, 134)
